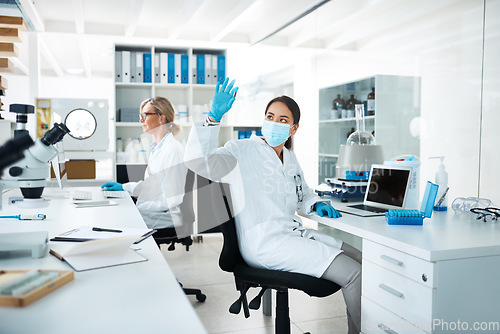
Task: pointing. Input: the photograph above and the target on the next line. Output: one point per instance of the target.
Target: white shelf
(204, 86)
(191, 94)
(134, 84)
(344, 120)
(91, 155)
(393, 95)
(128, 124)
(181, 86)
(131, 164)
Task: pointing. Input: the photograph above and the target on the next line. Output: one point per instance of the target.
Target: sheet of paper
(97, 253)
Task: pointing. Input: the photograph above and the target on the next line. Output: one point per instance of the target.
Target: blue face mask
(275, 133)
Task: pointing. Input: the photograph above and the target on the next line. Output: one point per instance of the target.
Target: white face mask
(275, 133)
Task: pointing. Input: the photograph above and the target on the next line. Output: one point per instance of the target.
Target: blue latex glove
(326, 209)
(223, 99)
(113, 186)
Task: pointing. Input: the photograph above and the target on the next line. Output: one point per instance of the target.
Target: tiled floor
(199, 268)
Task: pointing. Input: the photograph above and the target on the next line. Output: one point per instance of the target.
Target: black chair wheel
(201, 297)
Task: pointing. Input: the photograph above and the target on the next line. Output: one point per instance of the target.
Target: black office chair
(246, 277)
(182, 234)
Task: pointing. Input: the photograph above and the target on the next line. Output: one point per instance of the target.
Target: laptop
(387, 189)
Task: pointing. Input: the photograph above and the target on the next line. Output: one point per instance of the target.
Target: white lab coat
(162, 191)
(265, 199)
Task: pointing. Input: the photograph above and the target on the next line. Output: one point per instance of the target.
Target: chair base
(200, 296)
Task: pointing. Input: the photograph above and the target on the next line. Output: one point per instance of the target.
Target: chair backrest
(186, 207)
(179, 233)
(220, 199)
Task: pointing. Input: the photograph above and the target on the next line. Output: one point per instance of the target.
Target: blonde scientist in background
(162, 191)
(267, 188)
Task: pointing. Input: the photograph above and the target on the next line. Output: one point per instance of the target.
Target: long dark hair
(293, 107)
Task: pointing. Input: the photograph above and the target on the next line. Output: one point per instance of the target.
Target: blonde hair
(163, 107)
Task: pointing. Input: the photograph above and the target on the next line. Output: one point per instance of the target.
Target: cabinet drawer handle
(391, 290)
(386, 329)
(392, 260)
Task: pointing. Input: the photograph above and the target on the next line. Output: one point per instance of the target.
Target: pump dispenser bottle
(441, 180)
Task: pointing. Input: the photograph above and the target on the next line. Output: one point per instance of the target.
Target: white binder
(139, 63)
(133, 68)
(157, 68)
(214, 69)
(177, 68)
(118, 66)
(163, 67)
(193, 69)
(208, 69)
(125, 66)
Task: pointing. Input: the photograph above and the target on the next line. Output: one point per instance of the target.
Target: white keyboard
(82, 195)
(114, 194)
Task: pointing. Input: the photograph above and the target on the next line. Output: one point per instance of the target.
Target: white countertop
(444, 236)
(135, 298)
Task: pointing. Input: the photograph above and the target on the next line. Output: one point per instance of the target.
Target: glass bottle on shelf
(350, 106)
(338, 105)
(370, 103)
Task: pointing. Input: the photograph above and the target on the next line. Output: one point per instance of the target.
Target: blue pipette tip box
(403, 217)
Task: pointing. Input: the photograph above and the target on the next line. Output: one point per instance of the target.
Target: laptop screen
(388, 185)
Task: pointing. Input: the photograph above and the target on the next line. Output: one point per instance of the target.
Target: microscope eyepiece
(55, 134)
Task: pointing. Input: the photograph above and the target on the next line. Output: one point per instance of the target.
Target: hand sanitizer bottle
(441, 180)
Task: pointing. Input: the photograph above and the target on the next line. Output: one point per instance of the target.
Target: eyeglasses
(298, 187)
(465, 204)
(142, 117)
(489, 214)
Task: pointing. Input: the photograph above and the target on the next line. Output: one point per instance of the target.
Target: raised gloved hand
(326, 209)
(113, 186)
(223, 99)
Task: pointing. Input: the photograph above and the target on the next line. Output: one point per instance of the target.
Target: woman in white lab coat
(267, 187)
(162, 191)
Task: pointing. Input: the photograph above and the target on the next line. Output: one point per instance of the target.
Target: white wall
(451, 74)
(489, 181)
(454, 105)
(56, 87)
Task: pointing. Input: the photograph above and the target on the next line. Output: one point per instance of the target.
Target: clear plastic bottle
(442, 181)
(119, 144)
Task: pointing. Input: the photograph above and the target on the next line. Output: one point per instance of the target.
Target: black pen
(145, 236)
(98, 229)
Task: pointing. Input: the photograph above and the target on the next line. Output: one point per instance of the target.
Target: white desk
(135, 298)
(429, 278)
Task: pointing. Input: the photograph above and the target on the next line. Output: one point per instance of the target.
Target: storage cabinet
(394, 123)
(398, 284)
(190, 99)
(402, 293)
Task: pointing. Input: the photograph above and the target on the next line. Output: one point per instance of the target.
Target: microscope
(31, 172)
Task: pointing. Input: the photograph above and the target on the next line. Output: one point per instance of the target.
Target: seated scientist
(162, 191)
(267, 187)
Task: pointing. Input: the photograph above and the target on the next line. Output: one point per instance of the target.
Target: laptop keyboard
(82, 195)
(368, 208)
(114, 194)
